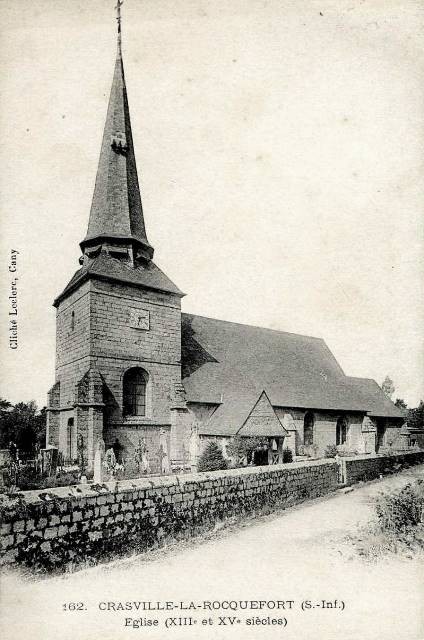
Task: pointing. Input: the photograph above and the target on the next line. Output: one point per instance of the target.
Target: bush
(242, 448)
(287, 455)
(331, 451)
(401, 509)
(27, 480)
(212, 459)
(27, 477)
(238, 450)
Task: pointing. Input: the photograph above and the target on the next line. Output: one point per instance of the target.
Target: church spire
(116, 217)
(118, 19)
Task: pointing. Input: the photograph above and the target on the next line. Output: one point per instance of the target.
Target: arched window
(308, 428)
(341, 430)
(134, 392)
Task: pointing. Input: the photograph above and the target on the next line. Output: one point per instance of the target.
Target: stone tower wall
(72, 341)
(96, 332)
(117, 346)
(111, 330)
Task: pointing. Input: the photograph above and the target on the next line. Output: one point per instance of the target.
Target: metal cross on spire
(118, 19)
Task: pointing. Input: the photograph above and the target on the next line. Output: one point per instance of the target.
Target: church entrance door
(260, 457)
(381, 430)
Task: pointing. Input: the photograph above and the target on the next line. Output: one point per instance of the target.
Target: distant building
(156, 384)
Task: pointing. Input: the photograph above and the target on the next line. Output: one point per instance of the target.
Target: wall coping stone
(379, 456)
(74, 493)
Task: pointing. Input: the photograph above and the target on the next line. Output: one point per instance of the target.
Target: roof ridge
(254, 326)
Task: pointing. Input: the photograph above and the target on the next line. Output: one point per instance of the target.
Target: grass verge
(397, 526)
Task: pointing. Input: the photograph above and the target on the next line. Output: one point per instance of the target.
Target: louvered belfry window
(135, 384)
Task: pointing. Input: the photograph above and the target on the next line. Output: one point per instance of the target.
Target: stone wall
(97, 329)
(72, 341)
(392, 436)
(161, 380)
(72, 527)
(368, 467)
(129, 440)
(292, 419)
(182, 425)
(325, 427)
(116, 346)
(111, 331)
(77, 524)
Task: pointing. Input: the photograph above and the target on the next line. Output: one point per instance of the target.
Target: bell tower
(118, 326)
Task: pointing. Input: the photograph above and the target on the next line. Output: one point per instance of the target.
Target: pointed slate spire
(116, 216)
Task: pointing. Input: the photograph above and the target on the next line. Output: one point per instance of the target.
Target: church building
(137, 374)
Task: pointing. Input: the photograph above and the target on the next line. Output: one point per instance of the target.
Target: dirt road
(298, 556)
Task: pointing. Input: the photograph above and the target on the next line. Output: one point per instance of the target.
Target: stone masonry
(94, 334)
(361, 468)
(141, 513)
(67, 525)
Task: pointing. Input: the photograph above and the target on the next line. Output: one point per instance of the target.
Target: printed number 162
(74, 606)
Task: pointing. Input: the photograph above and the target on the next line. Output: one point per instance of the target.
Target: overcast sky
(279, 148)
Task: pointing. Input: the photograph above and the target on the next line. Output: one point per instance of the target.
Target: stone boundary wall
(69, 526)
(360, 468)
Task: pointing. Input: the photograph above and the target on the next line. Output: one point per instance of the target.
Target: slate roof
(105, 267)
(230, 364)
(262, 420)
(116, 209)
(377, 401)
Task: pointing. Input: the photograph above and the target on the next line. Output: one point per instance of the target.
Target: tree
(238, 449)
(212, 458)
(22, 424)
(415, 419)
(388, 387)
(5, 405)
(242, 447)
(400, 404)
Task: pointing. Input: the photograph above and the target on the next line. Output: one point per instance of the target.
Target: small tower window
(134, 392)
(72, 320)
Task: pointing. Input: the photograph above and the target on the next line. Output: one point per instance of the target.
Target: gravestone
(49, 461)
(98, 461)
(194, 447)
(4, 457)
(163, 452)
(4, 461)
(145, 463)
(110, 462)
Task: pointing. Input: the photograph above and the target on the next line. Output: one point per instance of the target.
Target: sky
(279, 148)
